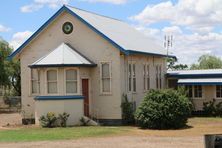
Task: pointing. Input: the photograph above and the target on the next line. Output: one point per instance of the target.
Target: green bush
(84, 121)
(163, 109)
(127, 110)
(210, 108)
(49, 120)
(63, 119)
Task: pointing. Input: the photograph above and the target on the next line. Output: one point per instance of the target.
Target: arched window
(52, 82)
(71, 81)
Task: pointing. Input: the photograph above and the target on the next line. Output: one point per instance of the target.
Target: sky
(196, 25)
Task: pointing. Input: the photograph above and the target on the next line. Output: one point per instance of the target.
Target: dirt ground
(116, 142)
(11, 119)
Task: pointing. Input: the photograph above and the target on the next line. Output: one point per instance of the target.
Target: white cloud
(117, 2)
(18, 38)
(196, 14)
(193, 23)
(30, 8)
(38, 4)
(172, 30)
(4, 29)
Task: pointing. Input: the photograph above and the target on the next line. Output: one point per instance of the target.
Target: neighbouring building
(82, 63)
(202, 85)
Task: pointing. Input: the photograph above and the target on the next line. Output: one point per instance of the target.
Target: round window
(67, 27)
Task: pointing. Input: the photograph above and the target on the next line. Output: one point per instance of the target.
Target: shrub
(63, 119)
(127, 110)
(210, 108)
(49, 120)
(163, 109)
(84, 121)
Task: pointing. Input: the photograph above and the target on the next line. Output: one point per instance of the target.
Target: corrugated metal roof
(120, 32)
(63, 55)
(205, 81)
(195, 72)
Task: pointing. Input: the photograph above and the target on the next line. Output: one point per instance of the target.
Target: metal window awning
(63, 56)
(206, 81)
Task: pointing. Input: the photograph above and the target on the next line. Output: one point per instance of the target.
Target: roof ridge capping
(66, 5)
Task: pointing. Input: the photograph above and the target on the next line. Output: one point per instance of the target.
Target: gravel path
(115, 142)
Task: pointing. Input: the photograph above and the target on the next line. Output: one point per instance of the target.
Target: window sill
(105, 94)
(198, 98)
(218, 98)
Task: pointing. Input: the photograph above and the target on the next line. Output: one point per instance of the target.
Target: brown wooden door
(85, 92)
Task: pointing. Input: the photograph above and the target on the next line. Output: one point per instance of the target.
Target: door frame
(89, 85)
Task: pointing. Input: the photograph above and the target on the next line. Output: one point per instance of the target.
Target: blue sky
(195, 24)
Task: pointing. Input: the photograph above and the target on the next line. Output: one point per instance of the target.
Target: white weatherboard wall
(72, 107)
(140, 60)
(91, 45)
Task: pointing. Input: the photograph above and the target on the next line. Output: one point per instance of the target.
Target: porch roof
(205, 81)
(63, 56)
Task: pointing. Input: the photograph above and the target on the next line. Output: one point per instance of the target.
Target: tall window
(106, 77)
(35, 81)
(52, 81)
(132, 77)
(198, 91)
(146, 77)
(71, 81)
(219, 91)
(158, 76)
(189, 90)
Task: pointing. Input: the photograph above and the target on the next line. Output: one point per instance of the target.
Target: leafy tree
(9, 70)
(171, 64)
(207, 62)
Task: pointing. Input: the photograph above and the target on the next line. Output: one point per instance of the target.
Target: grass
(43, 134)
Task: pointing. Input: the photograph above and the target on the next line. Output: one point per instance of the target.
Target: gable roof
(123, 36)
(63, 55)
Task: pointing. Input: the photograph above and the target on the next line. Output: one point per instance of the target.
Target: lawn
(43, 134)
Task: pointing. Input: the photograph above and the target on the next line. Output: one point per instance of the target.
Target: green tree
(171, 64)
(207, 62)
(9, 70)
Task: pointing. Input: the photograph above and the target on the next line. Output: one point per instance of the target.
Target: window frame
(131, 77)
(48, 69)
(194, 95)
(220, 92)
(77, 80)
(110, 78)
(37, 82)
(158, 79)
(146, 77)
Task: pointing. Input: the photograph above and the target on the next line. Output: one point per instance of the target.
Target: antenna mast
(168, 42)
